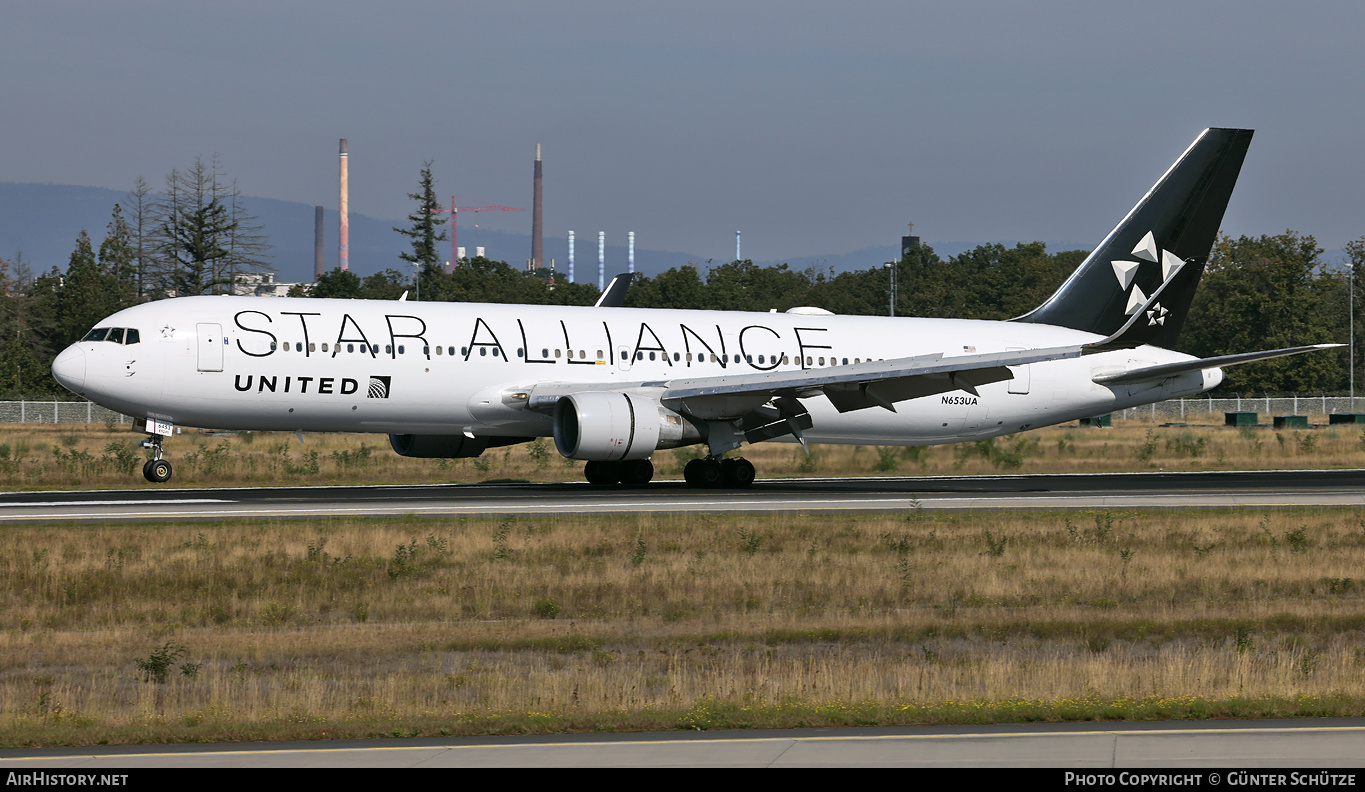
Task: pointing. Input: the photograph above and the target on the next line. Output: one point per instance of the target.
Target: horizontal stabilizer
(1171, 369)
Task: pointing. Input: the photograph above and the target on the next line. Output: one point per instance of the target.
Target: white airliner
(613, 385)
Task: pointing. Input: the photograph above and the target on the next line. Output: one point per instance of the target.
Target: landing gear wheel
(706, 473)
(738, 473)
(636, 472)
(603, 473)
(157, 471)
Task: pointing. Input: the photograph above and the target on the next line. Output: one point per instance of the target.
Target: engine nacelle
(607, 427)
(437, 446)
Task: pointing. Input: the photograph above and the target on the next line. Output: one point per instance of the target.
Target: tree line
(196, 238)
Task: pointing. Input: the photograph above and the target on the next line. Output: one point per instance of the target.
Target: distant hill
(43, 221)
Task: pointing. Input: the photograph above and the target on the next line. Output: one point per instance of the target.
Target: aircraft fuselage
(446, 368)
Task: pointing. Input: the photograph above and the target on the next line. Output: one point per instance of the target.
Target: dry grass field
(405, 626)
(99, 456)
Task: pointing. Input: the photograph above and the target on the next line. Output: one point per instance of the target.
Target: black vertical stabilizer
(1162, 245)
(614, 296)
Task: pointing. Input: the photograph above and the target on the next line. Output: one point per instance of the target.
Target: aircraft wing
(852, 387)
(1171, 369)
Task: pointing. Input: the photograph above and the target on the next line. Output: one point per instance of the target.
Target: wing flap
(847, 397)
(857, 386)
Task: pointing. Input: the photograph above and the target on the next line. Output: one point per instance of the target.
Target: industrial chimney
(345, 251)
(317, 242)
(537, 229)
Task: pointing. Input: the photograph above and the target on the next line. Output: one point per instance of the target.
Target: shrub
(156, 667)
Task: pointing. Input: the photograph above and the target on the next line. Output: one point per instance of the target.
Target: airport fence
(52, 411)
(1213, 410)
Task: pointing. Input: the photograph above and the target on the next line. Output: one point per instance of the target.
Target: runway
(1262, 489)
(1321, 743)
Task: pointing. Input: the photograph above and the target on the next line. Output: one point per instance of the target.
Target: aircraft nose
(69, 368)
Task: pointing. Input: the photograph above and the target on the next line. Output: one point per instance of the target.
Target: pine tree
(118, 259)
(196, 238)
(142, 231)
(425, 232)
(86, 293)
(205, 238)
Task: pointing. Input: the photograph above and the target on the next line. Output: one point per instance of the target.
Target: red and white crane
(454, 211)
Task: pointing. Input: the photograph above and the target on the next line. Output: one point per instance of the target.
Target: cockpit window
(118, 335)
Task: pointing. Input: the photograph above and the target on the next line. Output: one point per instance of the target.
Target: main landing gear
(712, 473)
(709, 473)
(156, 470)
(632, 472)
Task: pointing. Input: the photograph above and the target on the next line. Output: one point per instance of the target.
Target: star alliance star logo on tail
(379, 388)
(1126, 272)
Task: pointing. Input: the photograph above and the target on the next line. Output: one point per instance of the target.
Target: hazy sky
(813, 127)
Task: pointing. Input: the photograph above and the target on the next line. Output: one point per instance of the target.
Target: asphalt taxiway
(1236, 747)
(1263, 489)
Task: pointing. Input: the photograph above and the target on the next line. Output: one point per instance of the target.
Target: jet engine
(607, 427)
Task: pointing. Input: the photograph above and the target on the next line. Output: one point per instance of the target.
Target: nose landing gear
(156, 470)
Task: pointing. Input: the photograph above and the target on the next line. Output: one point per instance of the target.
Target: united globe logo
(379, 388)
